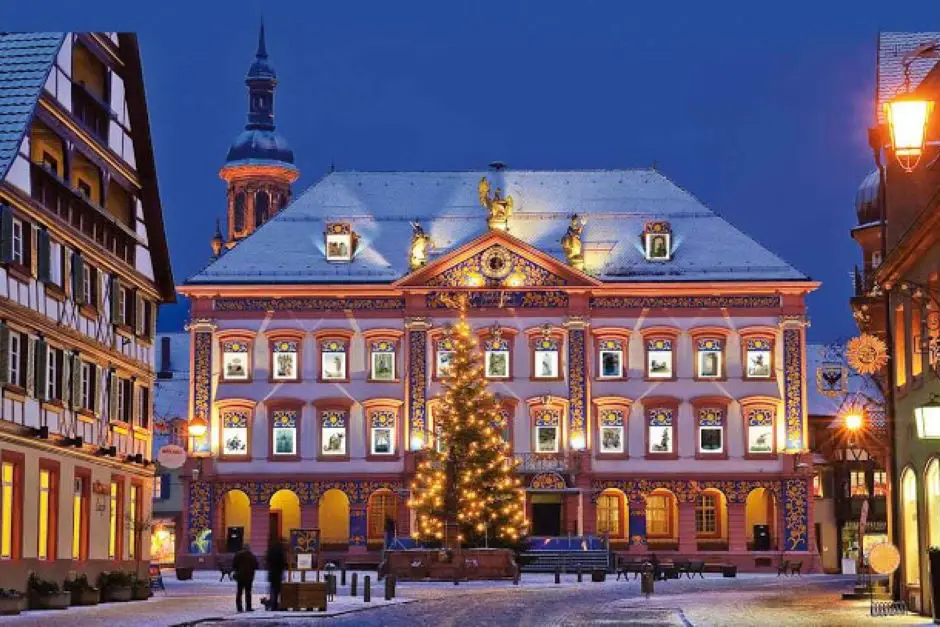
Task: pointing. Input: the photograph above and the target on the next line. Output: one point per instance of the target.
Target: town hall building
(648, 356)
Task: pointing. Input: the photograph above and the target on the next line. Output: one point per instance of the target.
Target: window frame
(670, 502)
(539, 412)
(277, 410)
(235, 409)
(622, 513)
(49, 543)
(322, 407)
(651, 230)
(602, 406)
(339, 232)
(758, 334)
(18, 242)
(502, 338)
(700, 510)
(14, 374)
(82, 499)
(706, 340)
(605, 341)
(546, 339)
(329, 338)
(440, 341)
(700, 407)
(879, 488)
(115, 517)
(652, 338)
(749, 406)
(281, 342)
(374, 408)
(235, 343)
(16, 462)
(651, 407)
(382, 341)
(858, 489)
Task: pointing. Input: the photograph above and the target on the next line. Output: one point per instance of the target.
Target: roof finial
(262, 50)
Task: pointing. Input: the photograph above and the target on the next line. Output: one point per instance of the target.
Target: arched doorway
(236, 520)
(761, 520)
(711, 518)
(932, 491)
(383, 504)
(284, 514)
(662, 517)
(334, 517)
(909, 541)
(611, 514)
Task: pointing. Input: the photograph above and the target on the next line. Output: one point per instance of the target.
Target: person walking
(244, 565)
(277, 564)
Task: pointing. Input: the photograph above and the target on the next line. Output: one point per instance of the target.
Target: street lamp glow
(198, 426)
(853, 422)
(927, 419)
(907, 118)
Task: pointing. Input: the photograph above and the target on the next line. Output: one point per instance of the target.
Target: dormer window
(339, 242)
(657, 241)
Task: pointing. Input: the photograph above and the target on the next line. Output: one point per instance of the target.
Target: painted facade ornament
(571, 242)
(685, 302)
(577, 384)
(417, 385)
(796, 514)
(793, 374)
(832, 379)
(547, 481)
(499, 208)
(866, 354)
(496, 262)
(478, 299)
(420, 244)
(496, 266)
(309, 303)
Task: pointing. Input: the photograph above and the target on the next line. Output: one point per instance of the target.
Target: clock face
(496, 262)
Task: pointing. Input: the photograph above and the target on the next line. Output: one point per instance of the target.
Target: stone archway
(910, 544)
(236, 513)
(334, 517)
(284, 514)
(761, 511)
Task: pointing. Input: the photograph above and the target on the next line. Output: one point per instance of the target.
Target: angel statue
(571, 242)
(420, 242)
(500, 208)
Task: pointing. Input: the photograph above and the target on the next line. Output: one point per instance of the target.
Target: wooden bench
(790, 568)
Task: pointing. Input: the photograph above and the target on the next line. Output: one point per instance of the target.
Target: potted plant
(46, 595)
(11, 602)
(83, 593)
(933, 554)
(141, 588)
(116, 586)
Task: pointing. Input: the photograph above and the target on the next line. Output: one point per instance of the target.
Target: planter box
(111, 595)
(11, 607)
(141, 593)
(184, 573)
(90, 596)
(56, 601)
(303, 596)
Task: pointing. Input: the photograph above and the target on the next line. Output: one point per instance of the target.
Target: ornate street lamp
(907, 117)
(927, 419)
(198, 426)
(853, 421)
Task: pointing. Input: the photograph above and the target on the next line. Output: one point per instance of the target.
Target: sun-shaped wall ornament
(866, 354)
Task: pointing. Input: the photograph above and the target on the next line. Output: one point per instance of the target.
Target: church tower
(259, 168)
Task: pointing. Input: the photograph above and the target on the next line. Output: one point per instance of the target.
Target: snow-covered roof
(380, 206)
(892, 47)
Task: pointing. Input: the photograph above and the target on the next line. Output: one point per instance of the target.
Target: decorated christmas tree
(467, 486)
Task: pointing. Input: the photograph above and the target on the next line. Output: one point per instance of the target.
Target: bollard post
(579, 574)
(367, 590)
(558, 574)
(342, 575)
(516, 576)
(352, 584)
(389, 587)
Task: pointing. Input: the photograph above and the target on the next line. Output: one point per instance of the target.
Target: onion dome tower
(259, 168)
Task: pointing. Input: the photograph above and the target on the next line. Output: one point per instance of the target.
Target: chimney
(497, 166)
(164, 372)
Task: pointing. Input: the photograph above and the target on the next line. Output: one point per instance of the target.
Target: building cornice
(79, 454)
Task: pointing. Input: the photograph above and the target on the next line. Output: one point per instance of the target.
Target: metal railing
(564, 462)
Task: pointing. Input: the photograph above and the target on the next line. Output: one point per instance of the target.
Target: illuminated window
(235, 360)
(608, 514)
(133, 517)
(760, 431)
(339, 242)
(658, 514)
(382, 359)
(235, 432)
(79, 508)
(659, 358)
(547, 430)
(758, 358)
(45, 502)
(333, 360)
(657, 241)
(7, 492)
(545, 358)
(711, 430)
(284, 432)
(900, 348)
(333, 425)
(382, 432)
(610, 359)
(880, 484)
(444, 357)
(284, 360)
(706, 514)
(817, 486)
(497, 356)
(113, 528)
(661, 423)
(708, 358)
(857, 484)
(383, 505)
(917, 366)
(612, 431)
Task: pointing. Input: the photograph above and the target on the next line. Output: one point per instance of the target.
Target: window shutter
(29, 248)
(96, 389)
(4, 351)
(164, 486)
(30, 365)
(66, 278)
(131, 403)
(96, 288)
(44, 258)
(113, 383)
(65, 383)
(117, 315)
(76, 381)
(139, 308)
(78, 293)
(153, 321)
(42, 370)
(6, 233)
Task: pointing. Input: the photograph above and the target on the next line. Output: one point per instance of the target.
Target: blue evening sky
(757, 108)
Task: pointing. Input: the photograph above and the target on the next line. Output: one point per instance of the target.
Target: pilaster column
(737, 527)
(417, 381)
(795, 511)
(636, 526)
(577, 382)
(794, 381)
(687, 527)
(202, 331)
(199, 517)
(357, 528)
(260, 532)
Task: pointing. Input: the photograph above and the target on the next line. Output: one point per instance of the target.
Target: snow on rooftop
(381, 206)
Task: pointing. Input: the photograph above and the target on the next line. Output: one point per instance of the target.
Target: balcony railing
(564, 462)
(91, 112)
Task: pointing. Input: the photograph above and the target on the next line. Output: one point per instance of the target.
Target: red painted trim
(52, 528)
(19, 462)
(702, 402)
(661, 402)
(85, 515)
(510, 334)
(375, 404)
(603, 333)
(119, 517)
(343, 335)
(391, 335)
(284, 404)
(654, 332)
(320, 405)
(612, 402)
(229, 404)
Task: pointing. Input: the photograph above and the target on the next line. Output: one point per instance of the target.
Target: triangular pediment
(497, 260)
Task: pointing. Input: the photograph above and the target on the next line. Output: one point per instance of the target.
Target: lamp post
(907, 117)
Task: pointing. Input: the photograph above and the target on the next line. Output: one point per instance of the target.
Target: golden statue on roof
(500, 208)
(420, 242)
(571, 242)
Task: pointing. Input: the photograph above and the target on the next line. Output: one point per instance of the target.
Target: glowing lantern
(198, 426)
(853, 422)
(927, 419)
(907, 118)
